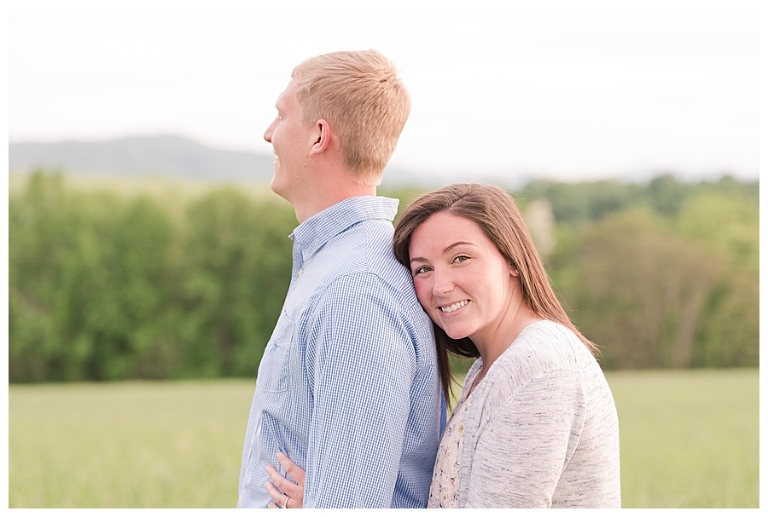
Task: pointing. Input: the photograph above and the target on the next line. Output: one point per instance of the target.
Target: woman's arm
(522, 451)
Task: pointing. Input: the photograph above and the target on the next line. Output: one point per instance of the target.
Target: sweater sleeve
(525, 445)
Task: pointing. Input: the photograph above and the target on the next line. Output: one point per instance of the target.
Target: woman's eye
(420, 270)
(461, 258)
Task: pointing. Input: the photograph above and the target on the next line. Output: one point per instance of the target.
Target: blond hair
(497, 215)
(362, 98)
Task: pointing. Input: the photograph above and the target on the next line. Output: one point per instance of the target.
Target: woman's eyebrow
(459, 243)
(449, 248)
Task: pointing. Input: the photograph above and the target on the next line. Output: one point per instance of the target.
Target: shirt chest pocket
(273, 370)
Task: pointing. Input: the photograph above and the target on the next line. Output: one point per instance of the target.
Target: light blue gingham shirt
(348, 386)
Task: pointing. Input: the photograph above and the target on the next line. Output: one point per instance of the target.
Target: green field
(688, 439)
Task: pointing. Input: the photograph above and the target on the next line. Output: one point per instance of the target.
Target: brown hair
(497, 215)
(360, 95)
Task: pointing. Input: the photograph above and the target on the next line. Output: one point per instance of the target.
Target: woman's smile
(461, 278)
(453, 307)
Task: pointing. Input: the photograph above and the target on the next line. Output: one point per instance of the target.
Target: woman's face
(461, 279)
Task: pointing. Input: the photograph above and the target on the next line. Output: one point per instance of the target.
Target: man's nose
(268, 132)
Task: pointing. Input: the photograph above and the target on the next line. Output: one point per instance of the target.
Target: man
(348, 386)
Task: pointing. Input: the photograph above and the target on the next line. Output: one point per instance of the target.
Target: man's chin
(277, 188)
(274, 185)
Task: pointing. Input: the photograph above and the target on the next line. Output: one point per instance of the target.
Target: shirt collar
(313, 233)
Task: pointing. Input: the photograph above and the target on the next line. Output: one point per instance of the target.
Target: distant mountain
(175, 157)
(163, 156)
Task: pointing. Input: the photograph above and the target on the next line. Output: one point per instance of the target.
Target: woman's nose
(442, 283)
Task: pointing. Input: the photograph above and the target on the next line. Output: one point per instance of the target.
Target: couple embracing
(350, 401)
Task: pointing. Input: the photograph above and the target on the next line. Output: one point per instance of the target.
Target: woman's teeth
(455, 306)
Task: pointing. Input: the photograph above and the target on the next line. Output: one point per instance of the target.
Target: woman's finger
(277, 496)
(291, 468)
(285, 486)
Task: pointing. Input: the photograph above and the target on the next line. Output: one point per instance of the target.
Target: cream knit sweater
(542, 430)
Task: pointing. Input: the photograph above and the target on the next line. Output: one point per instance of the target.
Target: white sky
(565, 93)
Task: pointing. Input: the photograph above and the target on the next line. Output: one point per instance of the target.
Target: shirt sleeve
(522, 450)
(362, 372)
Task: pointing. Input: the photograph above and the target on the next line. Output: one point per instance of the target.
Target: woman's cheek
(422, 292)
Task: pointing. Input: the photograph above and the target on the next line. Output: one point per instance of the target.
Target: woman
(535, 425)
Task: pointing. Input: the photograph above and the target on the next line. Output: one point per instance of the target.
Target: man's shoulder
(367, 291)
(363, 253)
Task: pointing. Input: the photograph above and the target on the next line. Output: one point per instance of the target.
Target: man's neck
(328, 195)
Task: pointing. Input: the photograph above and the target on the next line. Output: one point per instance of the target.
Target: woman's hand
(284, 493)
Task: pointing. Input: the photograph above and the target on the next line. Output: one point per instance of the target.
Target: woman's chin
(453, 331)
(456, 334)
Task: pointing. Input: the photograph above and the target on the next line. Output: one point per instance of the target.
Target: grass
(138, 445)
(688, 439)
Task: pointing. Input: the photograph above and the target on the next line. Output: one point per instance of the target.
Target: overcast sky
(565, 93)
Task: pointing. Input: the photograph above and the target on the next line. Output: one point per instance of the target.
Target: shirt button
(301, 271)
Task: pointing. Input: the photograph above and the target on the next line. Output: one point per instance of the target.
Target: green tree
(666, 194)
(575, 203)
(131, 311)
(38, 237)
(90, 280)
(239, 259)
(726, 222)
(645, 295)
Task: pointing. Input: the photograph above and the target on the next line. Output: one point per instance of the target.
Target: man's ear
(323, 136)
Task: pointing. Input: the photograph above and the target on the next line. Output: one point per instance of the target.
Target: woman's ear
(323, 135)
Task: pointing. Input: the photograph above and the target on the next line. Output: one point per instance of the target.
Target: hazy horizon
(568, 93)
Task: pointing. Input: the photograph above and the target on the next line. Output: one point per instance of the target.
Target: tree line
(108, 287)
(660, 275)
